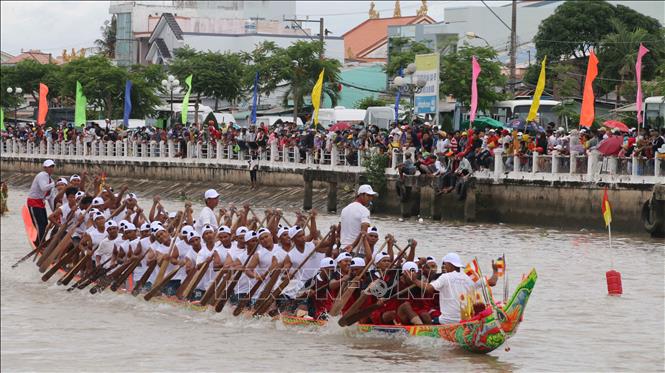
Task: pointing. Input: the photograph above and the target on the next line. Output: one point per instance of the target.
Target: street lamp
(473, 35)
(171, 84)
(18, 91)
(407, 85)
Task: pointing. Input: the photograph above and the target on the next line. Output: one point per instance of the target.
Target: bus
(654, 111)
(506, 111)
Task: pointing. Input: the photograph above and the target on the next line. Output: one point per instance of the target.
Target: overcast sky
(55, 25)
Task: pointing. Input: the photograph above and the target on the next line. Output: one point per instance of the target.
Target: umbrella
(522, 125)
(617, 125)
(611, 145)
(339, 126)
(484, 122)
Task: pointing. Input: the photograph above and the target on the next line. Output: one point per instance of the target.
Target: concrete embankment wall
(566, 205)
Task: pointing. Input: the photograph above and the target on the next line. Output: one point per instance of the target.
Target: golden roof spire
(373, 13)
(423, 8)
(397, 12)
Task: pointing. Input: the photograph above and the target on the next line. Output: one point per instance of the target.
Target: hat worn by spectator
(366, 189)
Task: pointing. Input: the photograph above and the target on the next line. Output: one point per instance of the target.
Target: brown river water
(570, 323)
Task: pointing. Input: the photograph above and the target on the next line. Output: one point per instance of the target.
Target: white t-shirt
(207, 216)
(141, 268)
(353, 216)
(450, 286)
(201, 257)
(105, 250)
(311, 267)
(192, 255)
(163, 249)
(95, 236)
(41, 186)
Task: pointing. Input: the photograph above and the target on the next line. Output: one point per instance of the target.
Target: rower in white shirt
(355, 216)
(207, 214)
(107, 247)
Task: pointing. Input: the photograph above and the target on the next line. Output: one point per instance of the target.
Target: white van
(328, 117)
(380, 116)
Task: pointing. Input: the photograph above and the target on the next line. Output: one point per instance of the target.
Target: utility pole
(322, 33)
(322, 30)
(513, 47)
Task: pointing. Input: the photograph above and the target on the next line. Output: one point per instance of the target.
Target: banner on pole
(427, 68)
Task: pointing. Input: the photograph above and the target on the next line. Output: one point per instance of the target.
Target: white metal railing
(591, 167)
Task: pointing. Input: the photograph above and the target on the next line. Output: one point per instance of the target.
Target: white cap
(98, 215)
(186, 229)
(520, 134)
(560, 129)
(410, 266)
(250, 235)
(111, 224)
(172, 215)
(262, 231)
(62, 180)
(131, 196)
(48, 163)
(155, 224)
(211, 193)
(241, 231)
(74, 177)
(206, 228)
(282, 230)
(123, 223)
(93, 211)
(327, 263)
(366, 189)
(380, 256)
(430, 259)
(130, 227)
(343, 256)
(293, 231)
(357, 262)
(453, 259)
(97, 201)
(191, 234)
(145, 226)
(158, 229)
(558, 147)
(373, 230)
(79, 194)
(224, 229)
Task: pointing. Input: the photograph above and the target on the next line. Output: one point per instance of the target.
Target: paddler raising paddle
(207, 214)
(40, 190)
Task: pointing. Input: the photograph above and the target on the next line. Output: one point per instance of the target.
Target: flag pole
(609, 232)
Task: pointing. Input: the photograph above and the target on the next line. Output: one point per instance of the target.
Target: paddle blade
(30, 229)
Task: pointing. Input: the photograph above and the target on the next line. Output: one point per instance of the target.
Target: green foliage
(456, 76)
(368, 101)
(272, 64)
(403, 51)
(106, 44)
(375, 171)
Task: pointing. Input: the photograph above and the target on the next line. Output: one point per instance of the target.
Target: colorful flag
(43, 104)
(638, 74)
(185, 100)
(255, 98)
(316, 98)
(607, 211)
(475, 71)
(80, 107)
(588, 100)
(128, 103)
(540, 87)
(2, 120)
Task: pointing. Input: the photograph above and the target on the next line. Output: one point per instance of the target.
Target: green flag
(185, 100)
(2, 119)
(81, 104)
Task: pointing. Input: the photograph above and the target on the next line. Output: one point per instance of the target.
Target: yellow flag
(539, 91)
(316, 98)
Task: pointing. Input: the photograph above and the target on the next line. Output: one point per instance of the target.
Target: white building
(226, 35)
(136, 20)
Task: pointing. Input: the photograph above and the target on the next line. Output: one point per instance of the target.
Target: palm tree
(106, 44)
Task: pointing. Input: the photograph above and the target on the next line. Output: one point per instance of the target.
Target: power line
(599, 42)
(496, 15)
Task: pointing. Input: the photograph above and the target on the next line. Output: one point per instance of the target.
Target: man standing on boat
(207, 215)
(40, 190)
(355, 216)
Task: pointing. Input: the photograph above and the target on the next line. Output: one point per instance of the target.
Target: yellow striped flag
(540, 87)
(607, 211)
(316, 98)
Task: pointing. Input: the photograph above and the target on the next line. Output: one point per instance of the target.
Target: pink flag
(475, 71)
(638, 75)
(43, 104)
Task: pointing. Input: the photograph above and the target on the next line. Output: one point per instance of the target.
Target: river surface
(570, 323)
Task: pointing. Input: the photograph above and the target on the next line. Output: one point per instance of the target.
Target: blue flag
(399, 95)
(128, 103)
(255, 98)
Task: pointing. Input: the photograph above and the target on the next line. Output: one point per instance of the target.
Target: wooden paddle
(39, 245)
(195, 281)
(144, 278)
(260, 309)
(236, 277)
(84, 278)
(363, 294)
(97, 275)
(62, 261)
(55, 238)
(158, 287)
(184, 284)
(67, 278)
(111, 278)
(123, 277)
(244, 302)
(342, 300)
(364, 313)
(163, 265)
(267, 289)
(210, 291)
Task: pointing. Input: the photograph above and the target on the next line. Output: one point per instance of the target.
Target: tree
(368, 101)
(456, 76)
(305, 70)
(402, 52)
(106, 44)
(271, 63)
